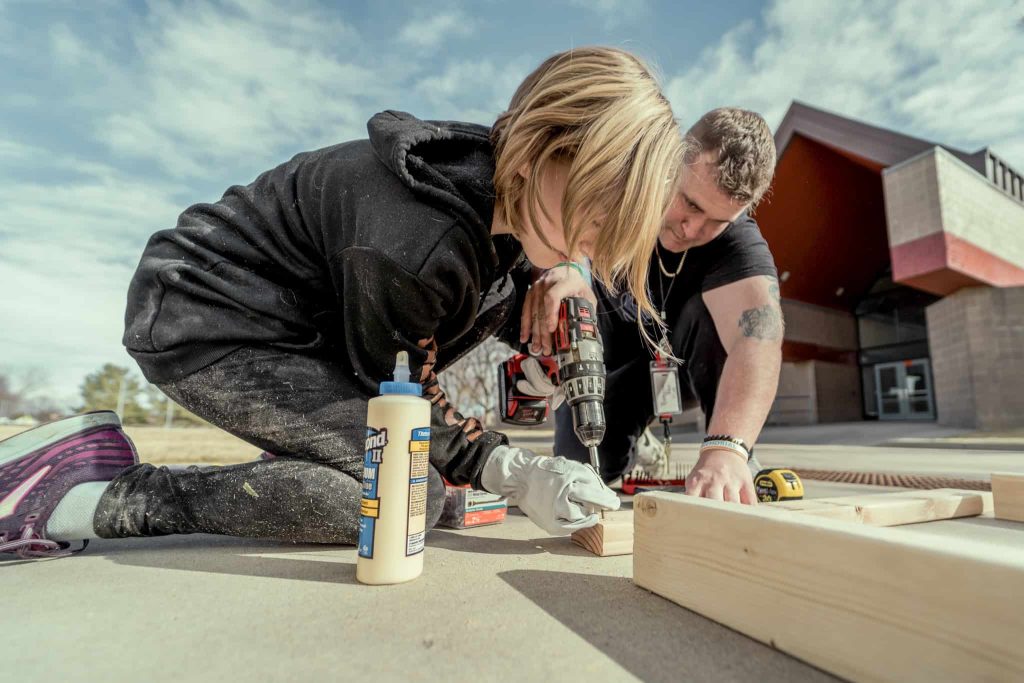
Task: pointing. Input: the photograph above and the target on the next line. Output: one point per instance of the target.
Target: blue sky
(117, 115)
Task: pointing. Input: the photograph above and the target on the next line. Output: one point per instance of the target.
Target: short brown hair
(745, 150)
(601, 110)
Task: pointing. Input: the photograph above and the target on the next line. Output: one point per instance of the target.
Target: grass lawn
(185, 445)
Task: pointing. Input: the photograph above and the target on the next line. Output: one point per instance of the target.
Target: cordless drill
(579, 360)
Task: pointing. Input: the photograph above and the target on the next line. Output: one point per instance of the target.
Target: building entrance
(903, 390)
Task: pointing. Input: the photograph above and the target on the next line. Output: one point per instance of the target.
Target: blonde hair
(601, 110)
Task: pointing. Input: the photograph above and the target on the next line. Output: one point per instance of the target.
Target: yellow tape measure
(777, 483)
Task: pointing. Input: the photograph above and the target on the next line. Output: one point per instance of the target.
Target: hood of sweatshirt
(447, 163)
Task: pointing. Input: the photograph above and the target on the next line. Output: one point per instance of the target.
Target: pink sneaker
(39, 466)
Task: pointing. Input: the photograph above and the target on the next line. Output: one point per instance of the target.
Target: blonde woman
(275, 313)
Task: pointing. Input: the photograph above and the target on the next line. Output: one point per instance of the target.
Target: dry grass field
(187, 445)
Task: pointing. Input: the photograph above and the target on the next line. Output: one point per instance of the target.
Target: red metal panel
(943, 263)
(825, 222)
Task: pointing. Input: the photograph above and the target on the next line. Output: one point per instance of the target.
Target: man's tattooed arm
(764, 322)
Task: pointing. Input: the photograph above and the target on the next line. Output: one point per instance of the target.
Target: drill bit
(595, 460)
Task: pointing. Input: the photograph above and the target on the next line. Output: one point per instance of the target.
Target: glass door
(903, 390)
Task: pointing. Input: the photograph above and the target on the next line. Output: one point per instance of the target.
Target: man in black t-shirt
(714, 281)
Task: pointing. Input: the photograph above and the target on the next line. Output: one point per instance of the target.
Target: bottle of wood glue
(393, 514)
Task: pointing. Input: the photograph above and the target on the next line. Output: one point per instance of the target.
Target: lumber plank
(613, 535)
(865, 603)
(895, 508)
(1008, 495)
(814, 507)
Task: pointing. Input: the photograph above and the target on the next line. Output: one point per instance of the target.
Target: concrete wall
(815, 391)
(795, 402)
(949, 227)
(838, 392)
(976, 337)
(811, 324)
(937, 192)
(912, 208)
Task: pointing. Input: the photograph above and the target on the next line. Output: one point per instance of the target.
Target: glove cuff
(498, 475)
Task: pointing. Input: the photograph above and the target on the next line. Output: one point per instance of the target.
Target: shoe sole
(28, 441)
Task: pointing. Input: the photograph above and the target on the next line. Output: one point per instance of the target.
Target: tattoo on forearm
(764, 322)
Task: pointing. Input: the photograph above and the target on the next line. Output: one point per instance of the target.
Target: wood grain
(612, 536)
(895, 508)
(1008, 494)
(865, 603)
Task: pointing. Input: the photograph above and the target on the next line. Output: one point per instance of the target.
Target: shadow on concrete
(225, 555)
(465, 543)
(653, 638)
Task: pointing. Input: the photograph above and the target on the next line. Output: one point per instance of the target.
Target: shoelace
(31, 546)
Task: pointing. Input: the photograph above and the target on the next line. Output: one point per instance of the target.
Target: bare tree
(472, 382)
(19, 391)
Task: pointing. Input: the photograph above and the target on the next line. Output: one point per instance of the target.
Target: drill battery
(515, 406)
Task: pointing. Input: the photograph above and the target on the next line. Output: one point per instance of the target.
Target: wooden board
(865, 603)
(612, 536)
(895, 508)
(1008, 494)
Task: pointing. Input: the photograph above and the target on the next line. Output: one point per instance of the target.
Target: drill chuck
(588, 422)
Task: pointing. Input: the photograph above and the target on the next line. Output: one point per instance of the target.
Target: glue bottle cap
(401, 385)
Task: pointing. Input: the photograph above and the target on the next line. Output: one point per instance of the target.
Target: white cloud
(614, 12)
(69, 249)
(70, 51)
(214, 85)
(951, 71)
(431, 31)
(476, 90)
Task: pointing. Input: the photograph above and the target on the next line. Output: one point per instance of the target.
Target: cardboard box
(465, 508)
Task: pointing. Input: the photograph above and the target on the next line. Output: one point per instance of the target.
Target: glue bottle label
(419, 465)
(369, 508)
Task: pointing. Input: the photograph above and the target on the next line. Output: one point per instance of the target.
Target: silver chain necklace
(671, 277)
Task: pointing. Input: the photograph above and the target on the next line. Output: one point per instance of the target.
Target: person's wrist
(572, 264)
(728, 442)
(497, 475)
(725, 447)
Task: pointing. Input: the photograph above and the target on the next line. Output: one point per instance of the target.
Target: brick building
(902, 274)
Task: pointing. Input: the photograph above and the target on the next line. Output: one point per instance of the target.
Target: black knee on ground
(435, 497)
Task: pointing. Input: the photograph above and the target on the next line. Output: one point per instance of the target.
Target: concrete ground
(496, 603)
(969, 463)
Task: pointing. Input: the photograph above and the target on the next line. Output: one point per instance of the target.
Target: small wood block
(1008, 496)
(895, 508)
(613, 535)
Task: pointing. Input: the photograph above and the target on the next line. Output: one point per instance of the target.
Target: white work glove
(558, 495)
(538, 384)
(648, 454)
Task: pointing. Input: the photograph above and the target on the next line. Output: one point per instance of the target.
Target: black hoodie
(353, 252)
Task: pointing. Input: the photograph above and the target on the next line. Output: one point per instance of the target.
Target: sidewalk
(864, 433)
(857, 447)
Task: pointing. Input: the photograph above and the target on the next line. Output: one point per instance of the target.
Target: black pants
(291, 405)
(629, 404)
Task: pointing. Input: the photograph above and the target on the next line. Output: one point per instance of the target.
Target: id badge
(665, 388)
